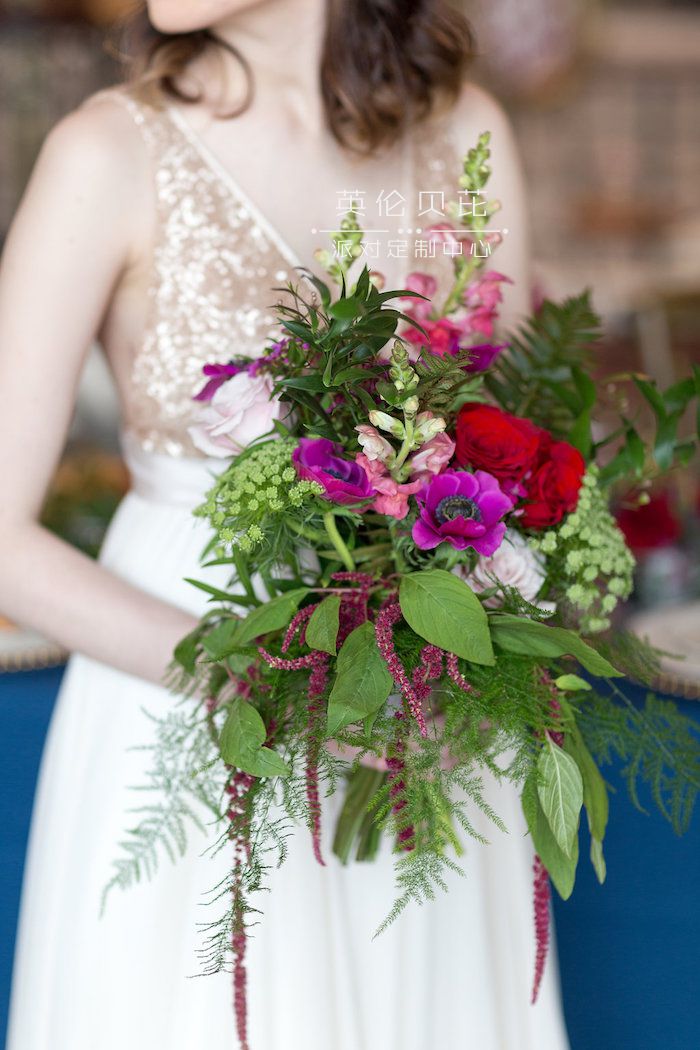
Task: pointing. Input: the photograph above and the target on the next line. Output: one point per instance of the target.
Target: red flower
(552, 489)
(489, 439)
(649, 527)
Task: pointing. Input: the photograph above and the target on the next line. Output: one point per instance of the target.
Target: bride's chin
(178, 16)
(188, 16)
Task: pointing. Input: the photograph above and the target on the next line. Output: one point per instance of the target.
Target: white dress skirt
(454, 974)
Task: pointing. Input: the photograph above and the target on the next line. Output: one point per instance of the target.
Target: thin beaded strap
(152, 123)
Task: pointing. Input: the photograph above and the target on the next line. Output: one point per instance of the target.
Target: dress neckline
(235, 190)
(237, 193)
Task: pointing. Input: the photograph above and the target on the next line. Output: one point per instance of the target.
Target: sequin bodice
(215, 263)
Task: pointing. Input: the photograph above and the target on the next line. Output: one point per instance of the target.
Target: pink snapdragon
(393, 496)
(482, 297)
(432, 458)
(374, 446)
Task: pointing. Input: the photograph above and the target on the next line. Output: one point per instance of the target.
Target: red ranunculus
(492, 440)
(552, 488)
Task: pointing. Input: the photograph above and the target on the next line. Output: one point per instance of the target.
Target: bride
(159, 218)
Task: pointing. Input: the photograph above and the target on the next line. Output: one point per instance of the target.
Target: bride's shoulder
(476, 110)
(98, 137)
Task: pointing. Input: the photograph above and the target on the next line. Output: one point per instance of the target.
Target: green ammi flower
(259, 485)
(590, 561)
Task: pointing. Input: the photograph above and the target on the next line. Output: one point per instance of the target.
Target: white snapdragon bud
(383, 421)
(428, 427)
(410, 406)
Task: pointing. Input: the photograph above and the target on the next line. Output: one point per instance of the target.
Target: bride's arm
(73, 238)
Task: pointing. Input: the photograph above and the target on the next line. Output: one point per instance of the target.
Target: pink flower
(241, 410)
(482, 298)
(373, 444)
(443, 335)
(443, 233)
(423, 284)
(432, 457)
(393, 497)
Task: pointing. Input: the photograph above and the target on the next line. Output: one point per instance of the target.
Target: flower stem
(301, 530)
(338, 541)
(406, 448)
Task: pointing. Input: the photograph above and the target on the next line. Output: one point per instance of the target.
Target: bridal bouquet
(424, 567)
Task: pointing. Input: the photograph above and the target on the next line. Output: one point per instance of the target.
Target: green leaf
(517, 634)
(362, 682)
(560, 791)
(598, 860)
(322, 628)
(635, 449)
(585, 386)
(665, 443)
(220, 642)
(571, 682)
(185, 652)
(242, 739)
(595, 793)
(580, 433)
(215, 592)
(346, 309)
(652, 396)
(561, 869)
(441, 608)
(271, 616)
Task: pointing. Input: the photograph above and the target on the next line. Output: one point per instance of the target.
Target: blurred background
(605, 101)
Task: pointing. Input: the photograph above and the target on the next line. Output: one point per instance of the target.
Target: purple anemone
(462, 509)
(343, 480)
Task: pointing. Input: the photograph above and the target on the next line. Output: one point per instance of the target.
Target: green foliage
(344, 337)
(186, 788)
(542, 376)
(595, 795)
(668, 449)
(443, 609)
(657, 745)
(324, 624)
(362, 682)
(242, 742)
(271, 616)
(560, 791)
(519, 635)
(561, 866)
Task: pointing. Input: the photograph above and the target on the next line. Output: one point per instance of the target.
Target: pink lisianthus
(241, 410)
(217, 375)
(432, 458)
(393, 497)
(374, 446)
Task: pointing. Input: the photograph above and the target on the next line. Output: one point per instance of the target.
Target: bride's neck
(282, 41)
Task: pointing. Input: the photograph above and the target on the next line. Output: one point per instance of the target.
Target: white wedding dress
(455, 974)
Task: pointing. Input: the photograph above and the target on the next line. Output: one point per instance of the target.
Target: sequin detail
(215, 263)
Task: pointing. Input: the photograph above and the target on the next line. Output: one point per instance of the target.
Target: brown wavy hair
(381, 69)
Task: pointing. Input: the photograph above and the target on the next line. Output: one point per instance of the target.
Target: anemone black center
(335, 473)
(452, 507)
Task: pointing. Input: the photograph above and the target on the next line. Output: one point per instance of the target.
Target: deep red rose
(553, 487)
(492, 440)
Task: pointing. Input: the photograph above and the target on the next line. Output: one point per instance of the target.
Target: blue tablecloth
(629, 951)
